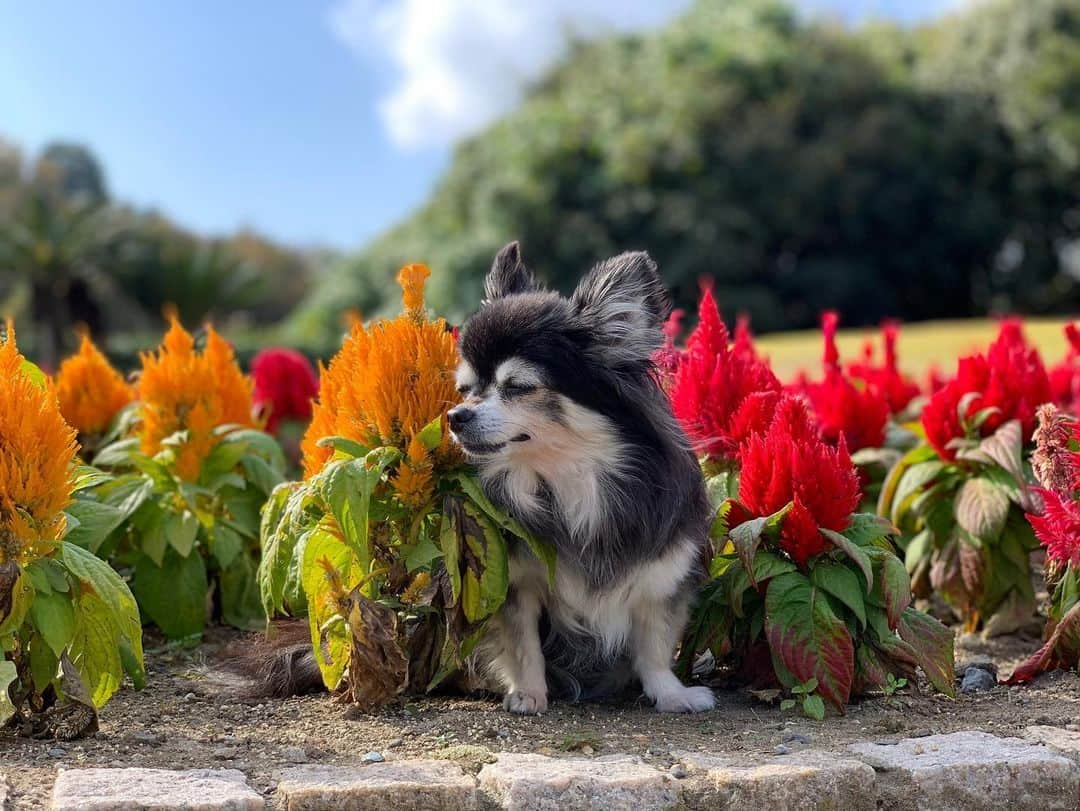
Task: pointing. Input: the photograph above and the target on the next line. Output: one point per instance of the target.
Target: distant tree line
(71, 256)
(921, 173)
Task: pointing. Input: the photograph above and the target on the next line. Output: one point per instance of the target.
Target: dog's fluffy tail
(279, 663)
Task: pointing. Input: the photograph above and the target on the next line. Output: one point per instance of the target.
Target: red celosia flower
(791, 463)
(935, 381)
(1065, 377)
(843, 409)
(285, 384)
(720, 395)
(667, 357)
(886, 379)
(1058, 528)
(1009, 377)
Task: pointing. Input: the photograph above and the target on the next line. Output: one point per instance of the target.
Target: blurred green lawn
(922, 346)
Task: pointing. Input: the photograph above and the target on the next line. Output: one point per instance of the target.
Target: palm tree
(55, 228)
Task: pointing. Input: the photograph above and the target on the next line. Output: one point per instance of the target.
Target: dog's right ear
(508, 274)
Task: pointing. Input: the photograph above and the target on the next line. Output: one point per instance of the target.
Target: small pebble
(781, 750)
(147, 736)
(373, 757)
(56, 751)
(976, 679)
(394, 743)
(295, 754)
(1073, 727)
(224, 752)
(587, 750)
(678, 771)
(795, 737)
(189, 696)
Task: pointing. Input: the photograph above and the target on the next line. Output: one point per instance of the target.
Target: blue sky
(315, 122)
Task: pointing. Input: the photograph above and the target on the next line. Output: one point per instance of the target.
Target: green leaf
(747, 537)
(87, 477)
(430, 435)
(344, 446)
(118, 454)
(180, 530)
(8, 676)
(814, 707)
(54, 617)
(933, 646)
(920, 453)
(486, 573)
(423, 553)
(225, 544)
(21, 590)
(102, 580)
(982, 508)
(173, 595)
(33, 373)
(719, 488)
(865, 528)
(95, 648)
(278, 545)
(240, 605)
(787, 704)
(853, 551)
(261, 474)
(44, 664)
(330, 639)
(913, 481)
(843, 584)
(918, 550)
(95, 521)
(808, 638)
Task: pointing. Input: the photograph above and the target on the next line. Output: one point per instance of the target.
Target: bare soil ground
(191, 716)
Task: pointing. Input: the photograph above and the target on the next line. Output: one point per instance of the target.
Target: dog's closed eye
(513, 388)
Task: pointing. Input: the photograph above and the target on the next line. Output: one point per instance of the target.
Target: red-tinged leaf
(982, 508)
(892, 587)
(853, 551)
(1061, 651)
(870, 673)
(808, 638)
(933, 644)
(971, 567)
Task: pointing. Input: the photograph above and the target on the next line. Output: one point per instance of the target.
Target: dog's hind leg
(520, 663)
(656, 627)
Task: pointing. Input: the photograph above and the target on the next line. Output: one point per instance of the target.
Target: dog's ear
(508, 274)
(626, 302)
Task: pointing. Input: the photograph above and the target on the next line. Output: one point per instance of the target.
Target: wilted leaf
(330, 569)
(77, 716)
(1061, 650)
(378, 670)
(808, 638)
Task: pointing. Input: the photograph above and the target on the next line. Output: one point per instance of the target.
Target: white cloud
(456, 65)
(459, 64)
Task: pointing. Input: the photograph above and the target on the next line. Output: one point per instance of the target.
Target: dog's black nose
(460, 416)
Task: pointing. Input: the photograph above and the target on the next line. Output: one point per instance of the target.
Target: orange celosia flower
(91, 392)
(384, 385)
(185, 390)
(37, 458)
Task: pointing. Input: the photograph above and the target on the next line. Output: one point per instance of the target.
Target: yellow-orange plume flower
(37, 460)
(385, 384)
(181, 389)
(91, 392)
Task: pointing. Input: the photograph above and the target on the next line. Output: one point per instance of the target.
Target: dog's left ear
(626, 303)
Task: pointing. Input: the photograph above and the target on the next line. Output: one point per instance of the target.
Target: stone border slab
(3, 792)
(403, 785)
(1064, 740)
(159, 789)
(971, 770)
(612, 783)
(805, 781)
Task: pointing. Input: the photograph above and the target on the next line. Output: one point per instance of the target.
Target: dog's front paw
(523, 703)
(686, 699)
